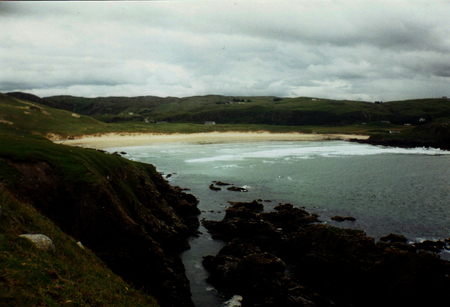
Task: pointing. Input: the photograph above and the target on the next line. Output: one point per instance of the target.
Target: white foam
(333, 149)
(228, 166)
(235, 301)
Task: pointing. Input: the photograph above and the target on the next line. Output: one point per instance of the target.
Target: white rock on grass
(41, 241)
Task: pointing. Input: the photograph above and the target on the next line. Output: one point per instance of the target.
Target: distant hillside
(252, 110)
(28, 114)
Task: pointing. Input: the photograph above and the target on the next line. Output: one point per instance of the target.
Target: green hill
(254, 110)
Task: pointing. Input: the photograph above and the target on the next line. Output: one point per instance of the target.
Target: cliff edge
(124, 211)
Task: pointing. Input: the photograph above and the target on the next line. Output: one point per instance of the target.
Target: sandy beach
(111, 140)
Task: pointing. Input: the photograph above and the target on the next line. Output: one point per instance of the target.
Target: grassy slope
(69, 275)
(29, 276)
(32, 277)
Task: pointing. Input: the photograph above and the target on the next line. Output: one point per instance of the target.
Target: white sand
(141, 139)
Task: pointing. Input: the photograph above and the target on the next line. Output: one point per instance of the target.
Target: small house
(209, 123)
(394, 131)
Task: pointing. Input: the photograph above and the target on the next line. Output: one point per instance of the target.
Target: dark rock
(237, 189)
(392, 237)
(222, 183)
(431, 246)
(253, 206)
(212, 187)
(339, 218)
(288, 219)
(323, 265)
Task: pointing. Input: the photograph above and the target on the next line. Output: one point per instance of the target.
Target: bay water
(398, 190)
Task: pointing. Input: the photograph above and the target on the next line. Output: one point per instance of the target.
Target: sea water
(404, 191)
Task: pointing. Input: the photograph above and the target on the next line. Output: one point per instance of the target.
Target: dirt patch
(6, 122)
(33, 171)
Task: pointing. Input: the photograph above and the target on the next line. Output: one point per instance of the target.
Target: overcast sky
(340, 49)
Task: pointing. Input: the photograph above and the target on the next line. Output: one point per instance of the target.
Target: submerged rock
(212, 187)
(237, 189)
(339, 218)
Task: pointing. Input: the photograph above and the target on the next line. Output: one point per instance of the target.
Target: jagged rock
(287, 218)
(41, 241)
(221, 183)
(253, 206)
(327, 266)
(392, 237)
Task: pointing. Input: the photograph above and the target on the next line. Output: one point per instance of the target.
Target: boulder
(41, 241)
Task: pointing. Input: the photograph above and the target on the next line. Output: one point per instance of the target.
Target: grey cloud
(346, 49)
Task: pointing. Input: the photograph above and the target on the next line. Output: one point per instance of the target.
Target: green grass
(255, 110)
(71, 164)
(69, 276)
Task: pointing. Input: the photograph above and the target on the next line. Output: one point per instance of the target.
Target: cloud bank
(356, 50)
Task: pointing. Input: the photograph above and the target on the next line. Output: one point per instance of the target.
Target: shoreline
(113, 140)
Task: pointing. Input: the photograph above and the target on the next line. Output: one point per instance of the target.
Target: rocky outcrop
(286, 258)
(125, 212)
